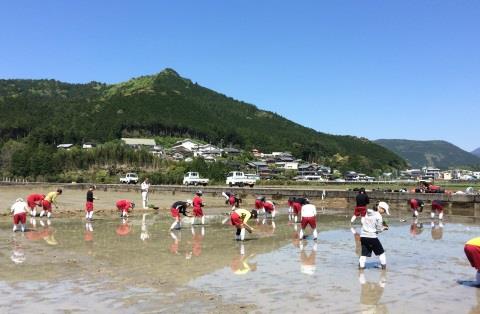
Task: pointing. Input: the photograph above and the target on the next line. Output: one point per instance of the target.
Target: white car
(193, 178)
(238, 178)
(130, 178)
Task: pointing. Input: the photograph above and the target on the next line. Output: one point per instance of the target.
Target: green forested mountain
(439, 154)
(43, 113)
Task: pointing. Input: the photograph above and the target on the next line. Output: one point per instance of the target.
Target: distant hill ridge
(476, 152)
(53, 112)
(440, 154)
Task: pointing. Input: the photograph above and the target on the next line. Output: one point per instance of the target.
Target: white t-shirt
(144, 186)
(19, 207)
(372, 224)
(309, 210)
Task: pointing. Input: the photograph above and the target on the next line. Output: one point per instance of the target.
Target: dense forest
(37, 115)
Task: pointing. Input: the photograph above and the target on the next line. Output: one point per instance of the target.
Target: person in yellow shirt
(239, 218)
(47, 202)
(472, 250)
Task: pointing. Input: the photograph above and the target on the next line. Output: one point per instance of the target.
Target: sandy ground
(72, 201)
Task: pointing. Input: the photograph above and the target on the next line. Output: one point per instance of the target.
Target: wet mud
(66, 264)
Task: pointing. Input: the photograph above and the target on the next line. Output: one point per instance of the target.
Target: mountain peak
(169, 72)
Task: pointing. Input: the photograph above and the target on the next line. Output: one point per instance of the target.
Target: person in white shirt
(372, 224)
(308, 217)
(19, 210)
(145, 186)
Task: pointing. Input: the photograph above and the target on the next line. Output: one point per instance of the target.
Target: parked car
(130, 178)
(238, 178)
(193, 178)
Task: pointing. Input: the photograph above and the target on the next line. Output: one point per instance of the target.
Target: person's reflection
(241, 264)
(144, 235)
(295, 237)
(18, 254)
(358, 243)
(123, 228)
(197, 241)
(476, 309)
(308, 261)
(416, 228)
(437, 230)
(371, 293)
(88, 234)
(48, 233)
(176, 241)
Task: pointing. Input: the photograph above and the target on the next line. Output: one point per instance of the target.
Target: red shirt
(197, 202)
(124, 204)
(259, 204)
(35, 197)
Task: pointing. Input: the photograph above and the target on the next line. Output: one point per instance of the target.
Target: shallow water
(112, 265)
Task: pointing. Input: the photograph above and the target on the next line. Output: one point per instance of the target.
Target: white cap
(19, 199)
(384, 206)
(189, 202)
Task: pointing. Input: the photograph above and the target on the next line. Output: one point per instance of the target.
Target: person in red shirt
(125, 206)
(197, 203)
(269, 208)
(34, 200)
(437, 206)
(297, 208)
(259, 202)
(416, 205)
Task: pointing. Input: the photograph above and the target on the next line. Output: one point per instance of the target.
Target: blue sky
(377, 69)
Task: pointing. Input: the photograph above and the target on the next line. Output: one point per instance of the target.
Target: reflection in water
(416, 228)
(144, 235)
(241, 264)
(358, 243)
(18, 254)
(124, 228)
(371, 293)
(176, 242)
(197, 241)
(437, 230)
(88, 234)
(476, 309)
(308, 261)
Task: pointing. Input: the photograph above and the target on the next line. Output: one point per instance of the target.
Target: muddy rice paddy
(68, 265)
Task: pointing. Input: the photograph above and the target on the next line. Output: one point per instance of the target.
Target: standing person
(362, 201)
(144, 187)
(472, 251)
(19, 210)
(437, 207)
(34, 200)
(89, 203)
(372, 224)
(125, 206)
(179, 207)
(47, 202)
(239, 218)
(416, 205)
(197, 207)
(309, 217)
